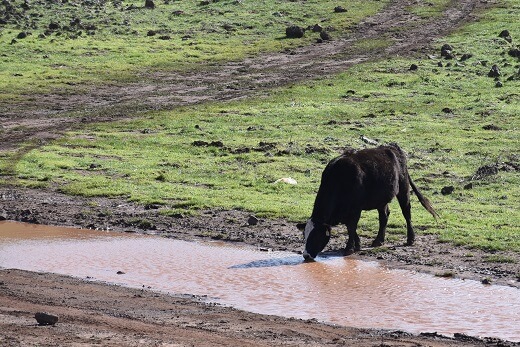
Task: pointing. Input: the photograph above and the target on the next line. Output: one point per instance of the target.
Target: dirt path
(109, 315)
(44, 117)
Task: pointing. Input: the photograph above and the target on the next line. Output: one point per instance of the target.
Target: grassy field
(459, 127)
(70, 43)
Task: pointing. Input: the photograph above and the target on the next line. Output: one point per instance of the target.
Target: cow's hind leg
(353, 243)
(404, 202)
(384, 212)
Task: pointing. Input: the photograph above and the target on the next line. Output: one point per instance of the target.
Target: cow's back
(361, 180)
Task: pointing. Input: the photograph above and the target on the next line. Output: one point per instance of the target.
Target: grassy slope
(111, 41)
(452, 120)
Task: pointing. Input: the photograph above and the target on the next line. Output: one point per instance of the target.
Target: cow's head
(316, 235)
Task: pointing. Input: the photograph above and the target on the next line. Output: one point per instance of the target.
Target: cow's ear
(301, 226)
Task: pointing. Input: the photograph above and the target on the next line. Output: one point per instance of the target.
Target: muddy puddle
(333, 289)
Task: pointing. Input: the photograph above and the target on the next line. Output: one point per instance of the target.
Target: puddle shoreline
(336, 290)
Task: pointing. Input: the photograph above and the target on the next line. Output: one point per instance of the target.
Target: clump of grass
(499, 259)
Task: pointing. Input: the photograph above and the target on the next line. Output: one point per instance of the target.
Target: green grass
(452, 121)
(111, 42)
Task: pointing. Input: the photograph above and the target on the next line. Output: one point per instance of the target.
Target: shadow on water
(285, 261)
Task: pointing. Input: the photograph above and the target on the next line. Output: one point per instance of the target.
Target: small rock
(54, 26)
(468, 186)
(466, 56)
(22, 35)
(294, 32)
(325, 36)
(120, 272)
(499, 84)
(486, 281)
(339, 9)
(446, 51)
(490, 127)
(44, 318)
(288, 180)
(514, 52)
(494, 72)
(447, 190)
(252, 220)
(414, 67)
(149, 4)
(317, 28)
(506, 35)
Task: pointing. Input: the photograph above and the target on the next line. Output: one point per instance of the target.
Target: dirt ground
(93, 313)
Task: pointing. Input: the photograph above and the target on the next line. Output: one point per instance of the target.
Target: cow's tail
(424, 201)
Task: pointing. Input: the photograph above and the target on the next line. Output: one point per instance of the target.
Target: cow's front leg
(384, 212)
(353, 242)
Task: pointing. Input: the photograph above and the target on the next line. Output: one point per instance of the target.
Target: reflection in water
(333, 289)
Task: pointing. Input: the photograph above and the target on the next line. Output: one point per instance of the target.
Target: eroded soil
(109, 315)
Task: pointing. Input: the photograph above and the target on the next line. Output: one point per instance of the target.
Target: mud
(334, 289)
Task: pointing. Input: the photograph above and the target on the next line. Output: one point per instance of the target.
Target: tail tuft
(422, 199)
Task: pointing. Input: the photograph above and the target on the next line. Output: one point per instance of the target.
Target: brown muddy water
(332, 289)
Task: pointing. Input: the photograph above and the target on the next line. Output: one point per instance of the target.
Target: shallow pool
(334, 289)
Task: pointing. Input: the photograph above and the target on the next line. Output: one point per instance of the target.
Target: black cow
(367, 179)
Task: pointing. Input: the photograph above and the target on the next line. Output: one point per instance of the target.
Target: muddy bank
(93, 313)
(427, 255)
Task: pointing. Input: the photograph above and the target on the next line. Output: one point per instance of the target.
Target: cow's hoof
(410, 242)
(377, 243)
(348, 251)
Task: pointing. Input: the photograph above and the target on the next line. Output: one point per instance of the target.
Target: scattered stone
(325, 36)
(317, 28)
(200, 143)
(288, 180)
(151, 33)
(447, 190)
(294, 32)
(486, 281)
(252, 220)
(506, 35)
(447, 110)
(466, 56)
(120, 272)
(490, 127)
(486, 170)
(414, 67)
(514, 52)
(54, 26)
(468, 186)
(368, 140)
(44, 318)
(22, 35)
(339, 9)
(499, 84)
(149, 4)
(494, 72)
(446, 51)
